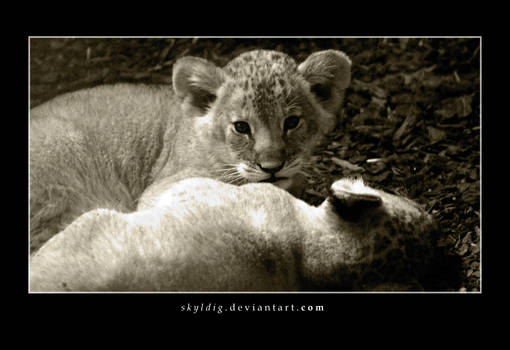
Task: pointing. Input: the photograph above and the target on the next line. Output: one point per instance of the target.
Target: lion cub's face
(262, 114)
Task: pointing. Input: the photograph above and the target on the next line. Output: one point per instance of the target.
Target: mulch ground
(411, 123)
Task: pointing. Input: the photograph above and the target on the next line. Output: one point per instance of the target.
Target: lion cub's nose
(271, 167)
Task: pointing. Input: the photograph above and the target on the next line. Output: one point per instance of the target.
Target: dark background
(411, 123)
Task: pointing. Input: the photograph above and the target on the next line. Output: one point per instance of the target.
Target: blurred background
(410, 125)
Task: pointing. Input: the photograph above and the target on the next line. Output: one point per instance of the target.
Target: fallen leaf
(382, 176)
(458, 106)
(376, 167)
(463, 249)
(436, 135)
(379, 103)
(405, 127)
(404, 98)
(346, 164)
(371, 88)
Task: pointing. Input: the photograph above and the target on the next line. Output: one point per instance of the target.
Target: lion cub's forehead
(264, 79)
(261, 64)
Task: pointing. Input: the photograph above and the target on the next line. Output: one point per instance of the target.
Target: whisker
(226, 169)
(252, 171)
(294, 164)
(227, 172)
(226, 166)
(305, 173)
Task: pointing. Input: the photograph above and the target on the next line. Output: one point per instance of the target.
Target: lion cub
(203, 235)
(254, 120)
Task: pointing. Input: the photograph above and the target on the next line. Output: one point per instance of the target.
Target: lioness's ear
(196, 81)
(351, 199)
(329, 74)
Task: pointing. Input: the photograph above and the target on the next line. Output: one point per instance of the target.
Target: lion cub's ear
(329, 74)
(352, 199)
(196, 82)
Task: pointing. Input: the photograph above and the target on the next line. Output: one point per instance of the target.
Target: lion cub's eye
(291, 122)
(242, 127)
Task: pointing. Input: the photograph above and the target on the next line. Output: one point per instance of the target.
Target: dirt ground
(411, 123)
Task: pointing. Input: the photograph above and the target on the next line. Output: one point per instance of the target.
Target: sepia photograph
(254, 165)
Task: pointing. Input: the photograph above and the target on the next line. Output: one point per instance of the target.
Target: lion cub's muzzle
(271, 167)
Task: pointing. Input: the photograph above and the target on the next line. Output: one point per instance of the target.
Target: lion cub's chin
(295, 185)
(251, 176)
(283, 183)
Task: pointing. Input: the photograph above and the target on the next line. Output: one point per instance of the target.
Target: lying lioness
(203, 235)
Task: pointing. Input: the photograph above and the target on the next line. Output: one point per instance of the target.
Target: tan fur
(203, 235)
(104, 147)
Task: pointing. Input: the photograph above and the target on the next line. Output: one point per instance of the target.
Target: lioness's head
(262, 114)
